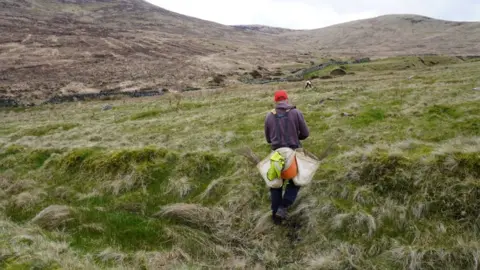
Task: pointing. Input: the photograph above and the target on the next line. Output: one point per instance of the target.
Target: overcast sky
(310, 14)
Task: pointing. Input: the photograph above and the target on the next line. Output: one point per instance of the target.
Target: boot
(281, 213)
(276, 220)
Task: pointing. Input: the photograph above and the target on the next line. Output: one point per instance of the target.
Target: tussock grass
(43, 130)
(124, 183)
(182, 186)
(111, 256)
(28, 199)
(175, 187)
(157, 260)
(53, 216)
(11, 186)
(194, 214)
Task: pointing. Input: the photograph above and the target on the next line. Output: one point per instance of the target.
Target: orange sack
(291, 171)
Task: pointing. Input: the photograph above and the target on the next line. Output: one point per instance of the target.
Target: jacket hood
(284, 106)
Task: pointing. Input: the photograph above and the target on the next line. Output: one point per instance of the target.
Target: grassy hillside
(164, 182)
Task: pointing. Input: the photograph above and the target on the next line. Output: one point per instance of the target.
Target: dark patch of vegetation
(218, 80)
(255, 74)
(146, 114)
(190, 88)
(338, 72)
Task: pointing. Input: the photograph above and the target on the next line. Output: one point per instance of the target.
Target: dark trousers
(288, 198)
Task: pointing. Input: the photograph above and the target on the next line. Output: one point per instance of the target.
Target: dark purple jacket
(285, 129)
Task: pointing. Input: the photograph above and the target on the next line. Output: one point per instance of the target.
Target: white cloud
(309, 14)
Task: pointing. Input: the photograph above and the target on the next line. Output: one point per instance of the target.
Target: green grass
(368, 117)
(405, 63)
(323, 72)
(389, 65)
(147, 114)
(128, 231)
(44, 130)
(153, 185)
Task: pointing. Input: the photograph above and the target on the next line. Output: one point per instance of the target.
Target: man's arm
(303, 131)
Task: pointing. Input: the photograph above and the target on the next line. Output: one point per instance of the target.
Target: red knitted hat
(280, 95)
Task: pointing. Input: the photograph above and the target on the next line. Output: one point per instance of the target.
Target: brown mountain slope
(394, 35)
(52, 47)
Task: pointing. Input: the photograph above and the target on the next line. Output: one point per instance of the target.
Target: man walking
(285, 126)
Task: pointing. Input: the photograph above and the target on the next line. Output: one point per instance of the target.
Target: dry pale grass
(77, 88)
(28, 244)
(53, 216)
(222, 182)
(85, 196)
(111, 256)
(194, 213)
(461, 144)
(419, 257)
(93, 227)
(327, 260)
(173, 259)
(264, 223)
(63, 192)
(196, 241)
(17, 186)
(124, 183)
(181, 186)
(28, 199)
(356, 221)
